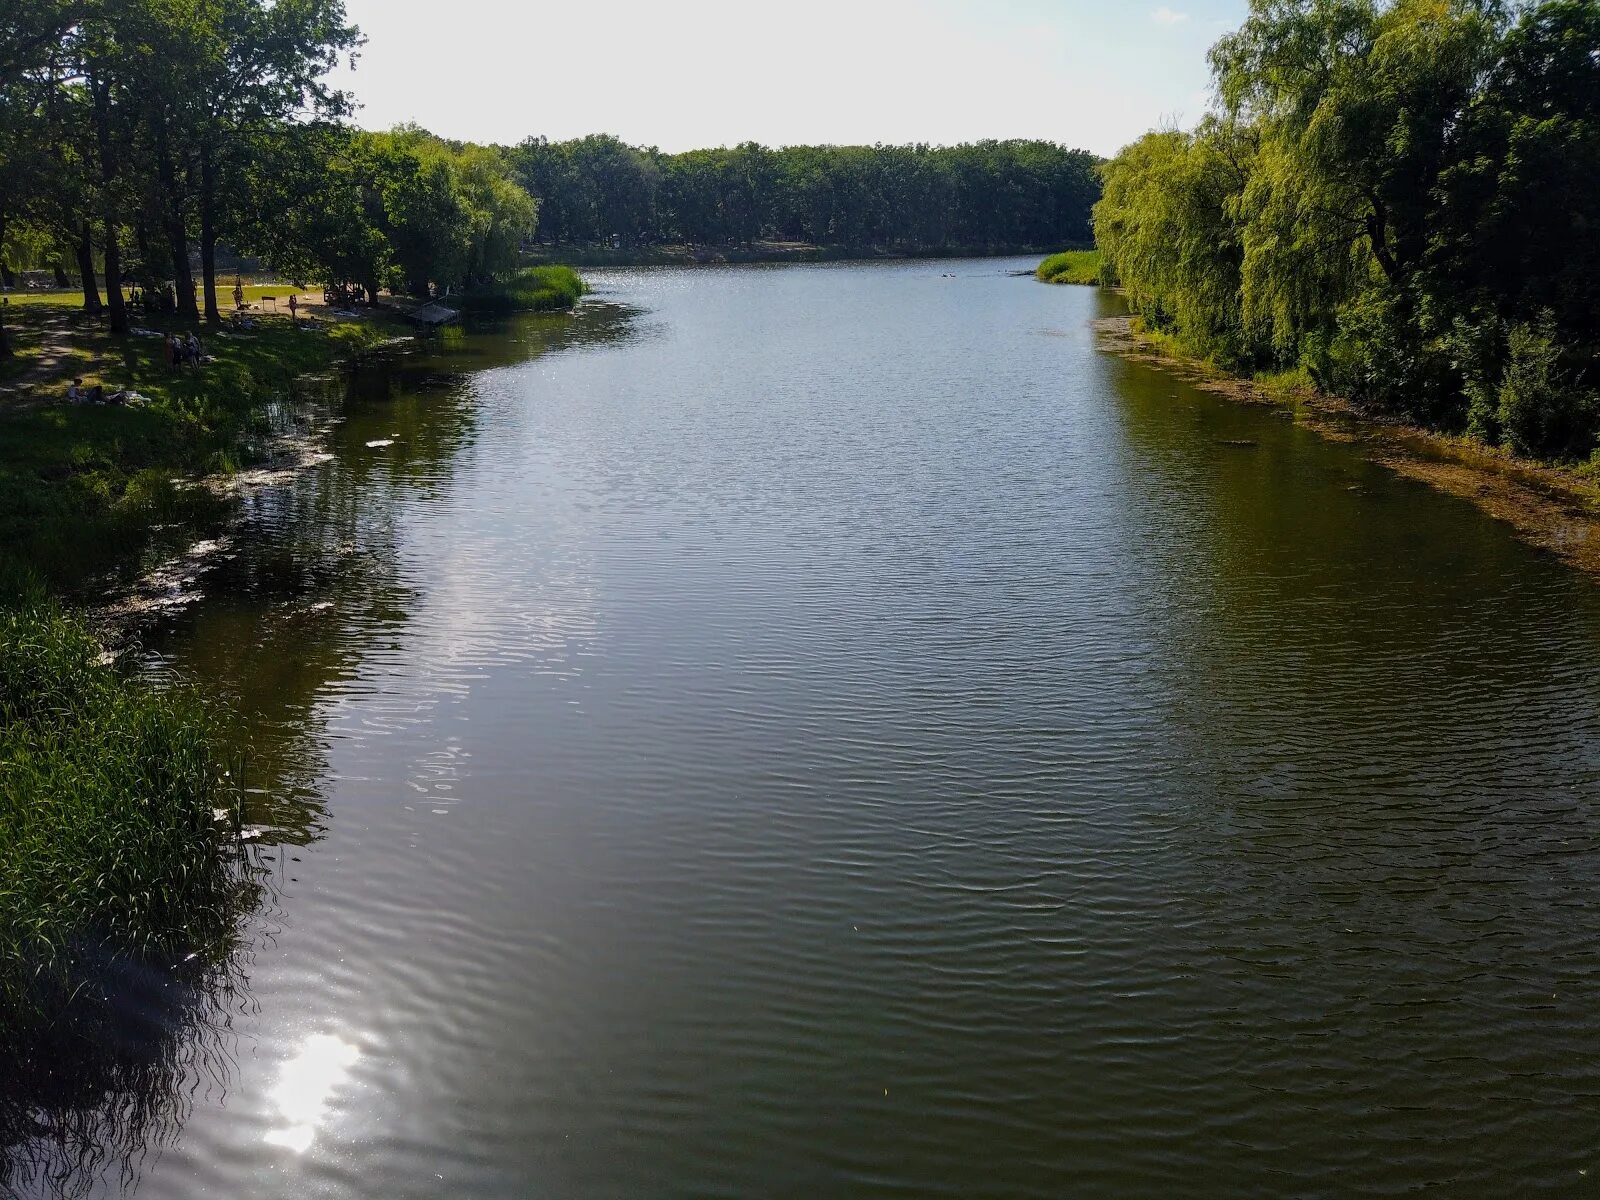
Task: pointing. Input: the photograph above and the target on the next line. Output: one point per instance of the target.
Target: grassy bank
(83, 486)
(109, 785)
(1071, 266)
(532, 289)
(107, 795)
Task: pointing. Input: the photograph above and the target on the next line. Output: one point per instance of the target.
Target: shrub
(1541, 411)
(108, 793)
(1378, 357)
(533, 289)
(1071, 266)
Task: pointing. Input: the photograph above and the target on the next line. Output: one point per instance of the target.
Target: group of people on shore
(182, 351)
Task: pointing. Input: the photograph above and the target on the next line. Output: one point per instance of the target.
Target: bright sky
(682, 74)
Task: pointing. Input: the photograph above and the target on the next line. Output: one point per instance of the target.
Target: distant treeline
(1400, 199)
(984, 194)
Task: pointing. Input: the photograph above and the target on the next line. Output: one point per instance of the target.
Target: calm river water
(831, 732)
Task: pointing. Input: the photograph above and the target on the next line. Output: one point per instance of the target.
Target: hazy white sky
(692, 73)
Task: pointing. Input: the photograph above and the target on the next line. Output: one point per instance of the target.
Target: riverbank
(118, 820)
(759, 252)
(1552, 507)
(84, 487)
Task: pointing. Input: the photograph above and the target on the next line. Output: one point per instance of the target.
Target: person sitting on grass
(75, 394)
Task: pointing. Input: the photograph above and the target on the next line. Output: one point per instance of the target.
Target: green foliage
(107, 795)
(1014, 193)
(1541, 410)
(1071, 266)
(533, 289)
(1397, 197)
(399, 210)
(81, 488)
(1168, 229)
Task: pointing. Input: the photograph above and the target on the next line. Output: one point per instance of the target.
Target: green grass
(532, 289)
(108, 784)
(1071, 266)
(254, 293)
(82, 487)
(108, 788)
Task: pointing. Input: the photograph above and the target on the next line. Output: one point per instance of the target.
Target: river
(829, 731)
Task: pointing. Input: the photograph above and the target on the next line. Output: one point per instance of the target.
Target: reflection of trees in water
(86, 1098)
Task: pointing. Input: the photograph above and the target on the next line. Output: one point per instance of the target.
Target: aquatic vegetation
(116, 815)
(533, 289)
(1071, 266)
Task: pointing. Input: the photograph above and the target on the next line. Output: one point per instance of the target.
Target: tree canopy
(1397, 197)
(985, 194)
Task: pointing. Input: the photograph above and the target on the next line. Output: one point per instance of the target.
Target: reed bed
(111, 789)
(532, 289)
(1071, 266)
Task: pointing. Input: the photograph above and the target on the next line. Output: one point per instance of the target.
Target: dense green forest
(986, 194)
(1401, 200)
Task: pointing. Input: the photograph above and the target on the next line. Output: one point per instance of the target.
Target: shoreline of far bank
(761, 252)
(1549, 507)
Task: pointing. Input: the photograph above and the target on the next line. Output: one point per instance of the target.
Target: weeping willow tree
(1391, 196)
(1169, 229)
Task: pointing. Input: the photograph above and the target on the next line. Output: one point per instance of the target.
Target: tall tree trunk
(108, 178)
(208, 235)
(5, 336)
(7, 280)
(147, 256)
(91, 289)
(177, 231)
(114, 302)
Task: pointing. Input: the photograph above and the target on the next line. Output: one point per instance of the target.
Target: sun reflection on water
(305, 1088)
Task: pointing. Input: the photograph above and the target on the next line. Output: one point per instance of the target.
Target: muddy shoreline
(1548, 507)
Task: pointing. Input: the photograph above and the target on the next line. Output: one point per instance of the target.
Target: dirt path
(53, 360)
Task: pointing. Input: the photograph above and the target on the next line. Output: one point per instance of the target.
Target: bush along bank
(532, 289)
(110, 796)
(1071, 266)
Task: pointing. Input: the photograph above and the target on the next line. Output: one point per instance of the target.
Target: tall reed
(110, 793)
